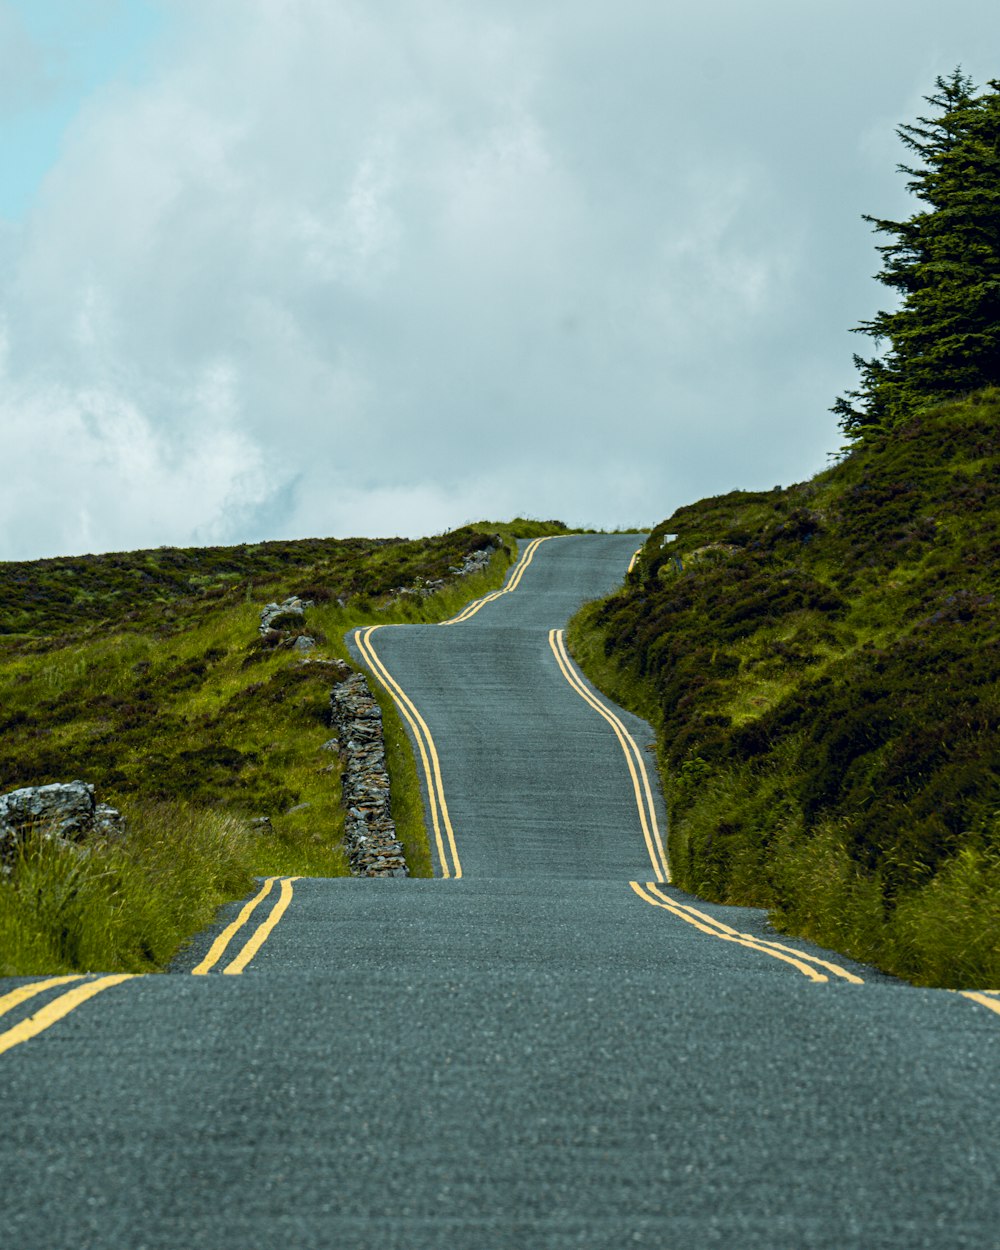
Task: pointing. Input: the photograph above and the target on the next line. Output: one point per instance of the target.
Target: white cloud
(83, 467)
(339, 267)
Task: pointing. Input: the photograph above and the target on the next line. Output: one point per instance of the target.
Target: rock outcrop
(284, 625)
(476, 561)
(369, 830)
(473, 562)
(68, 811)
(287, 616)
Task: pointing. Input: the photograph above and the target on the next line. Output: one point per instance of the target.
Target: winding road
(548, 1045)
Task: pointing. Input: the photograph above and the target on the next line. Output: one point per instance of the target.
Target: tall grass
(128, 905)
(191, 730)
(122, 906)
(820, 663)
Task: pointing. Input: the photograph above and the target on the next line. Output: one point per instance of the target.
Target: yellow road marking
(263, 930)
(634, 561)
(836, 969)
(429, 759)
(428, 753)
(984, 998)
(741, 940)
(633, 757)
(23, 992)
(218, 947)
(54, 1011)
(519, 569)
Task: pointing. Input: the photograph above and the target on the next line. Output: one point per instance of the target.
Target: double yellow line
(515, 580)
(633, 758)
(444, 834)
(81, 988)
(650, 893)
(257, 938)
(56, 1008)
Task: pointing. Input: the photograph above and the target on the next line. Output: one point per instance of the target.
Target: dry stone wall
(369, 830)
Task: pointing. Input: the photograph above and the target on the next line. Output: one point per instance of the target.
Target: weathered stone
(337, 669)
(67, 807)
(369, 830)
(473, 562)
(66, 810)
(290, 614)
(304, 643)
(108, 823)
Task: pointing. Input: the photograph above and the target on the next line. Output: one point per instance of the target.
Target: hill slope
(143, 674)
(822, 665)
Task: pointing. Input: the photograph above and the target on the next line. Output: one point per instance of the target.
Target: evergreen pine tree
(944, 338)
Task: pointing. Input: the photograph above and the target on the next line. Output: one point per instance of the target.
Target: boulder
(66, 810)
(289, 615)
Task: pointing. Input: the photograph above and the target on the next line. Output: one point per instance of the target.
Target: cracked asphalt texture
(527, 1057)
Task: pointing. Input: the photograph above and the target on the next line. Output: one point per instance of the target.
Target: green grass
(163, 697)
(125, 907)
(822, 664)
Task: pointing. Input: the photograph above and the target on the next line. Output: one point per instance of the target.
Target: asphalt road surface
(551, 1047)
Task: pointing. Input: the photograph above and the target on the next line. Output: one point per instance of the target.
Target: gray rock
(108, 823)
(66, 810)
(473, 562)
(290, 614)
(369, 830)
(304, 643)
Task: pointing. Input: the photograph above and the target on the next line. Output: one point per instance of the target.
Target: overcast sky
(295, 268)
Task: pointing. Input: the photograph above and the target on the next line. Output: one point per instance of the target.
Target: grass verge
(164, 699)
(822, 665)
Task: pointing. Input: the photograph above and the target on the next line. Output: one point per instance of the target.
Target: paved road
(538, 1054)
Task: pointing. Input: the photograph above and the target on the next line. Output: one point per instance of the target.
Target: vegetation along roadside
(823, 662)
(144, 674)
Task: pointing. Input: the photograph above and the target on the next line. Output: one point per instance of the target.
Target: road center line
(633, 758)
(426, 748)
(447, 853)
(59, 1007)
(519, 569)
(263, 930)
(218, 947)
(748, 942)
(836, 969)
(14, 998)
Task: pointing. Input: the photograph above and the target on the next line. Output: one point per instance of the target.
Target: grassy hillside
(823, 666)
(143, 673)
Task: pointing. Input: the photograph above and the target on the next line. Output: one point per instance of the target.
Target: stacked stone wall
(369, 830)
